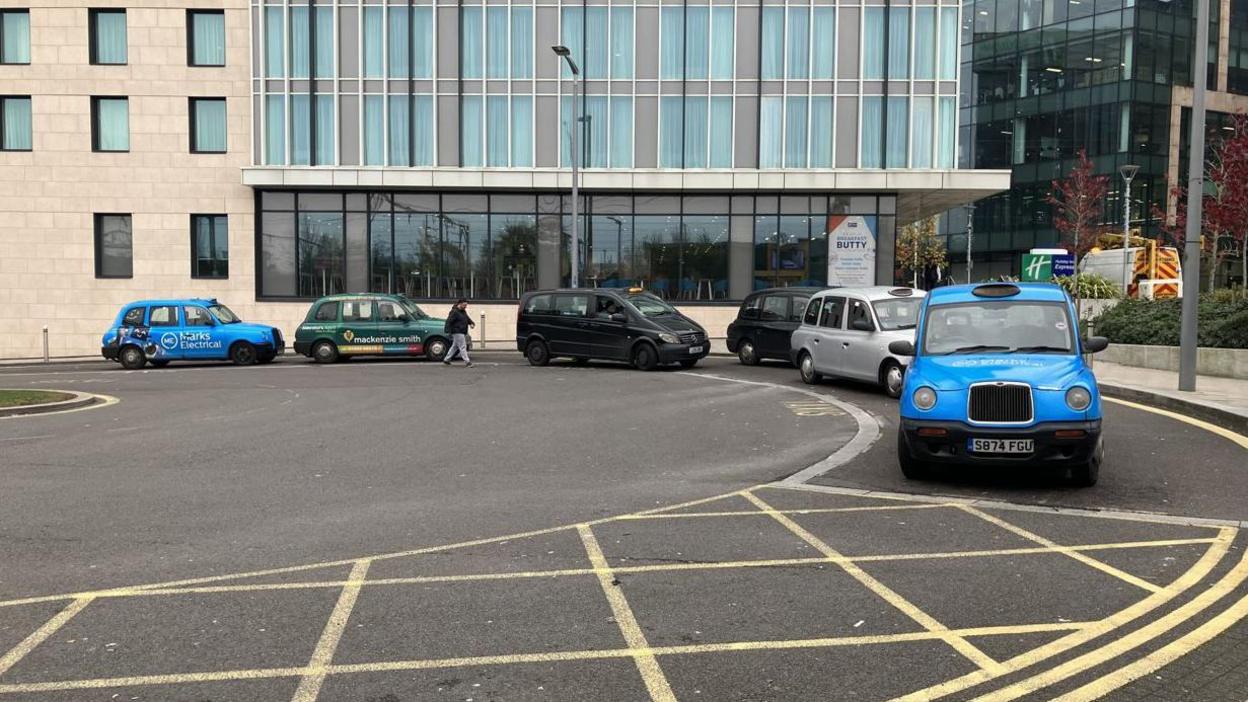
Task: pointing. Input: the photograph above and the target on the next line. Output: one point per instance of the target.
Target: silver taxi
(845, 333)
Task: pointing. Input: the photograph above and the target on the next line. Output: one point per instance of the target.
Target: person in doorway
(457, 324)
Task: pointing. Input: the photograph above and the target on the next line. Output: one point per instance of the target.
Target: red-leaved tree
(1078, 205)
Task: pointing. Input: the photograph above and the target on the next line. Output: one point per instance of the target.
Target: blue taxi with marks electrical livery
(998, 379)
(193, 329)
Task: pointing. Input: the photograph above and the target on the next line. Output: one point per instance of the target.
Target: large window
(606, 138)
(410, 39)
(790, 250)
(274, 43)
(696, 42)
(507, 130)
(110, 124)
(695, 132)
(410, 121)
(601, 40)
(15, 129)
(114, 247)
(210, 246)
(14, 36)
(784, 132)
(208, 125)
(205, 38)
(500, 41)
(107, 35)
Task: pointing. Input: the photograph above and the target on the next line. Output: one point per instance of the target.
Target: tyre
(324, 352)
(1087, 473)
(131, 357)
(746, 353)
(159, 364)
(436, 348)
(806, 366)
(911, 467)
(537, 353)
(645, 357)
(892, 377)
(243, 354)
(688, 363)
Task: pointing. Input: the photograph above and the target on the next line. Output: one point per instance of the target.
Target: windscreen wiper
(980, 347)
(1040, 349)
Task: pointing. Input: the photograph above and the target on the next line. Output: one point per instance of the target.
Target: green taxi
(341, 326)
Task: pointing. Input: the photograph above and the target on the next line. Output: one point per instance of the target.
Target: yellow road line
(1233, 579)
(1169, 653)
(651, 673)
(41, 634)
(323, 655)
(1212, 556)
(1223, 432)
(542, 657)
(966, 648)
(756, 513)
(1064, 550)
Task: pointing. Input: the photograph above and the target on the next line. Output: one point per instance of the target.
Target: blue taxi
(998, 379)
(160, 331)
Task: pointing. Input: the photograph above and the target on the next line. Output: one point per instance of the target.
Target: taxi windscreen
(650, 306)
(997, 327)
(224, 314)
(902, 313)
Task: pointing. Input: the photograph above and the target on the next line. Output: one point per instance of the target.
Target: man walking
(457, 323)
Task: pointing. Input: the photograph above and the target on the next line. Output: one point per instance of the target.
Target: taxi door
(359, 328)
(200, 335)
(165, 332)
(393, 322)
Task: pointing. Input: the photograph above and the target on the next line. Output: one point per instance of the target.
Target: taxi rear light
(1070, 433)
(932, 431)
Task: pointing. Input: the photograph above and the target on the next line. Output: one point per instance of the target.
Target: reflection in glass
(511, 256)
(320, 243)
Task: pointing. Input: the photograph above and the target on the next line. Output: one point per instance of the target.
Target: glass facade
(497, 246)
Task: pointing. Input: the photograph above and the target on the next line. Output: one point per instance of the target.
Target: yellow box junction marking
(41, 634)
(310, 686)
(813, 408)
(1212, 428)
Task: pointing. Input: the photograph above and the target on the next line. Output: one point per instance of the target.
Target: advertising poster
(851, 250)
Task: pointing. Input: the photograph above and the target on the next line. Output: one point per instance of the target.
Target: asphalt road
(395, 531)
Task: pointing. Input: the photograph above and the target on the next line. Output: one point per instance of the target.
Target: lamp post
(970, 240)
(566, 53)
(1195, 191)
(1127, 172)
(619, 247)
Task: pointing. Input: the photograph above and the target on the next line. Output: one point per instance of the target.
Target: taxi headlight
(925, 398)
(668, 338)
(1078, 398)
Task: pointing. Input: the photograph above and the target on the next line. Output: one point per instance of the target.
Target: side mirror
(861, 325)
(1095, 344)
(619, 317)
(901, 347)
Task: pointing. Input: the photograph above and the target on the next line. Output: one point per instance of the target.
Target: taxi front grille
(1000, 403)
(692, 338)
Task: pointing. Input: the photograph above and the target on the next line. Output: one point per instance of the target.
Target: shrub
(1091, 286)
(1223, 322)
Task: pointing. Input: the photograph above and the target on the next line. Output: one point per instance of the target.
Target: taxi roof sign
(901, 292)
(996, 290)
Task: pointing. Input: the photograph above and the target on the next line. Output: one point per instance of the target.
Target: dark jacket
(458, 321)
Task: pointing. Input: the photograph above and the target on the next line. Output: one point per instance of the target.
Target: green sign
(1037, 268)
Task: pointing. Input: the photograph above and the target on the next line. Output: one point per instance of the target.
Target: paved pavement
(1221, 400)
(400, 531)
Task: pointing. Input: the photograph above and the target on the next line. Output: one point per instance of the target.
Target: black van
(619, 325)
(765, 322)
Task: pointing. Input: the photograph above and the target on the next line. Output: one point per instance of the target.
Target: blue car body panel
(172, 338)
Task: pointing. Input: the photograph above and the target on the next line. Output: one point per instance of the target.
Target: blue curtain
(422, 42)
(325, 131)
(671, 131)
(374, 130)
(895, 143)
(521, 42)
(697, 38)
(300, 130)
(722, 43)
(873, 43)
(621, 42)
(898, 43)
(672, 46)
(621, 132)
(400, 130)
(572, 33)
(595, 65)
(17, 130)
(497, 131)
(399, 30)
(208, 39)
(821, 131)
(273, 33)
(773, 42)
(209, 125)
(471, 42)
(110, 37)
(594, 132)
(721, 132)
(374, 42)
(521, 130)
(325, 42)
(275, 130)
(16, 38)
(798, 45)
(795, 132)
(300, 42)
(948, 130)
(925, 43)
(696, 132)
(422, 130)
(948, 43)
(113, 124)
(771, 132)
(496, 34)
(872, 132)
(824, 43)
(471, 148)
(922, 128)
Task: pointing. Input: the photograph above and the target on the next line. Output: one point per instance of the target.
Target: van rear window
(327, 312)
(540, 304)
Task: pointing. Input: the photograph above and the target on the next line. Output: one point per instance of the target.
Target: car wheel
(911, 467)
(806, 366)
(747, 354)
(131, 357)
(436, 348)
(892, 376)
(159, 364)
(243, 354)
(324, 352)
(537, 353)
(688, 363)
(1087, 473)
(645, 357)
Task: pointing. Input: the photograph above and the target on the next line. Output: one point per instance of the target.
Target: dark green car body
(369, 324)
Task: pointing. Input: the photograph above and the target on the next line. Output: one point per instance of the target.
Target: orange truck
(1149, 271)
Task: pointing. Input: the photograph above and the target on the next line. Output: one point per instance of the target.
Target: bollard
(46, 359)
(482, 330)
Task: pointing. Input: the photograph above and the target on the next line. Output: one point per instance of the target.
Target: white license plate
(695, 349)
(1000, 445)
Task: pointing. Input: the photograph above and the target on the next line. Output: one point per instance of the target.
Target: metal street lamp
(566, 53)
(970, 240)
(1195, 191)
(1127, 172)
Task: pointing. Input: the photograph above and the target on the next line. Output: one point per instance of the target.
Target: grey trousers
(459, 342)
